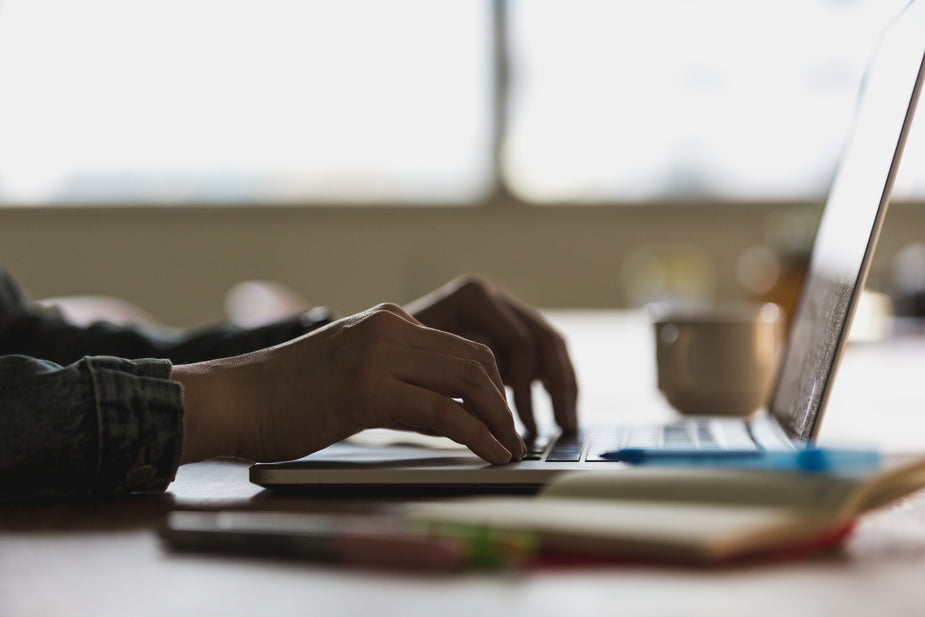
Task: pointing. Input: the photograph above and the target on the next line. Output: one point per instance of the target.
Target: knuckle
(474, 285)
(560, 346)
(389, 307)
(550, 339)
(379, 315)
(381, 320)
(484, 353)
(472, 278)
(481, 349)
(443, 412)
(474, 372)
(556, 348)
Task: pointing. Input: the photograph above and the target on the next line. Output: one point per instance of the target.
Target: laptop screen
(850, 224)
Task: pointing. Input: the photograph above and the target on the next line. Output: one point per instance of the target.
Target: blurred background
(582, 153)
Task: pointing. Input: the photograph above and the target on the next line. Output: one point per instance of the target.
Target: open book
(686, 514)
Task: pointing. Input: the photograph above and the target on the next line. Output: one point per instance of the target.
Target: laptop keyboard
(591, 445)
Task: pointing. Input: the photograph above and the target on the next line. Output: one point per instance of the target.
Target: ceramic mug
(717, 359)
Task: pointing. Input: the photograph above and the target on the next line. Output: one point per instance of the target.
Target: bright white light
(679, 98)
(313, 100)
(283, 99)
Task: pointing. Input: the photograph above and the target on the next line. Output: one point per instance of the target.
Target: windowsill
(555, 255)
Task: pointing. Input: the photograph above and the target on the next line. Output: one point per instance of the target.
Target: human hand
(526, 346)
(379, 368)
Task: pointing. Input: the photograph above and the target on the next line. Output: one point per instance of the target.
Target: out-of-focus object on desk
(666, 272)
(716, 358)
(258, 302)
(85, 310)
(369, 541)
(908, 281)
(775, 270)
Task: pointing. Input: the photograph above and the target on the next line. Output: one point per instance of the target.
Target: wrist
(209, 425)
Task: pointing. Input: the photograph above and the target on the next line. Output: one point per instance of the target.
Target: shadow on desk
(97, 515)
(208, 486)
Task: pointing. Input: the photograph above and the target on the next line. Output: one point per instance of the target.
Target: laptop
(842, 252)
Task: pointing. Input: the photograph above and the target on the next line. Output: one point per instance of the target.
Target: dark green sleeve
(31, 330)
(99, 426)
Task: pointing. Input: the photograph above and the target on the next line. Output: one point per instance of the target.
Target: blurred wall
(178, 262)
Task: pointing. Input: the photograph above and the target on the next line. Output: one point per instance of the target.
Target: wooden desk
(103, 558)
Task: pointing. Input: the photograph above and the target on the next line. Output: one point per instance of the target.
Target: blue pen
(810, 459)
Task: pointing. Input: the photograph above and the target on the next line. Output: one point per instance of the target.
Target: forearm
(29, 329)
(48, 337)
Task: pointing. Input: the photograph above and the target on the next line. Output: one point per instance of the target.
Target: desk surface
(103, 558)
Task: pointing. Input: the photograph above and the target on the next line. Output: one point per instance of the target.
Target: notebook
(692, 515)
(842, 252)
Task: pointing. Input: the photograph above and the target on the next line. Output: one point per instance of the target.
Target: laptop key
(564, 456)
(567, 449)
(705, 437)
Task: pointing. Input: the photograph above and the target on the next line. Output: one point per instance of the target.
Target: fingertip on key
(522, 447)
(500, 454)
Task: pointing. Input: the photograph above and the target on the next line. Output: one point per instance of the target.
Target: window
(673, 99)
(231, 100)
(372, 101)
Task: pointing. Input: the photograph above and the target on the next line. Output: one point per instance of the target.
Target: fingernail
(523, 446)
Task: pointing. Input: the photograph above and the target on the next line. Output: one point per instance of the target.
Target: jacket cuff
(140, 424)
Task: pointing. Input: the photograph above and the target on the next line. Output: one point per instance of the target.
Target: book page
(682, 531)
(819, 492)
(903, 476)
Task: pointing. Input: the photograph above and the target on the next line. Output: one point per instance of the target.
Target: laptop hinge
(768, 434)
